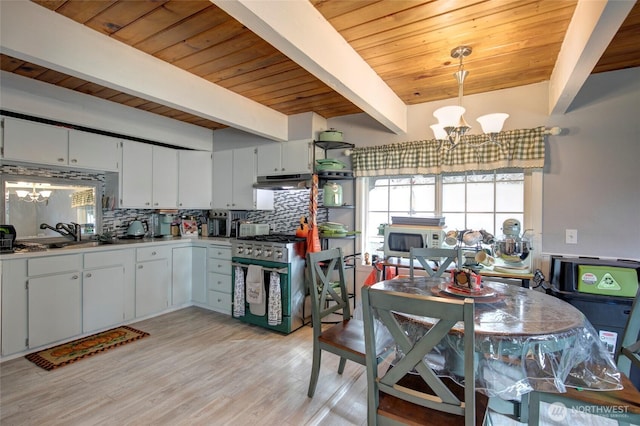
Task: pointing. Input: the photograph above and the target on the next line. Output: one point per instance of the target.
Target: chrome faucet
(71, 230)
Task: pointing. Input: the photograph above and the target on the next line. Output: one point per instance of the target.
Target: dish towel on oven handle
(255, 293)
(238, 293)
(274, 316)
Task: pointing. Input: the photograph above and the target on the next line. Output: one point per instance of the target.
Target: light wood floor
(196, 368)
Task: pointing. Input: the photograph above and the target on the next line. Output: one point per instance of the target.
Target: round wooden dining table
(525, 340)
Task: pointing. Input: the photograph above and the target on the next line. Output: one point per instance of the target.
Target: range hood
(284, 182)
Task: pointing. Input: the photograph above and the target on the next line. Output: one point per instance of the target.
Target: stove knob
(278, 254)
(258, 252)
(267, 253)
(239, 250)
(249, 251)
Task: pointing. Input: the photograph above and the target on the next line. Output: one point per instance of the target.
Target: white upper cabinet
(165, 178)
(93, 151)
(285, 158)
(46, 144)
(234, 173)
(35, 142)
(194, 179)
(136, 176)
(223, 167)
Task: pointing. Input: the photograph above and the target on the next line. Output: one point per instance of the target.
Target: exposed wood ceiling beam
(305, 39)
(81, 52)
(592, 28)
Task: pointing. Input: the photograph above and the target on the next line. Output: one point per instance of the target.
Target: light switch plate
(571, 236)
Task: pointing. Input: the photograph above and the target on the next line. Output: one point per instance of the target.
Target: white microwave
(399, 239)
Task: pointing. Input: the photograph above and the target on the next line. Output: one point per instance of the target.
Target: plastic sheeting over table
(525, 340)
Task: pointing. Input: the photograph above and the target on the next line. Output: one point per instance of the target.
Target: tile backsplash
(289, 206)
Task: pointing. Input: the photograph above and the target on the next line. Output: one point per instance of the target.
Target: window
(472, 200)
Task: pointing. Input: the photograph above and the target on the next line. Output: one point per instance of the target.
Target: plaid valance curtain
(522, 148)
(83, 198)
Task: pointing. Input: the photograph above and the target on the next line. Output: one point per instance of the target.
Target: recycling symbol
(608, 283)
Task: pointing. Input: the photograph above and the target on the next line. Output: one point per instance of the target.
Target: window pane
(455, 221)
(480, 197)
(453, 198)
(424, 199)
(400, 199)
(510, 196)
(379, 199)
(477, 221)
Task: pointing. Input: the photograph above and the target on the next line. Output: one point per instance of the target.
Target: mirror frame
(96, 185)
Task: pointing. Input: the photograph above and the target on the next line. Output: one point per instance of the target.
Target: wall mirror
(30, 201)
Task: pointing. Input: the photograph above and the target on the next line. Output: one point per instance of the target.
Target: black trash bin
(603, 290)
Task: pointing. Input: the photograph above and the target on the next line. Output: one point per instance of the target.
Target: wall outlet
(571, 236)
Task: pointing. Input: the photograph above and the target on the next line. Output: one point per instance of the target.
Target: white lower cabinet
(219, 279)
(102, 297)
(14, 306)
(55, 308)
(153, 280)
(181, 273)
(199, 275)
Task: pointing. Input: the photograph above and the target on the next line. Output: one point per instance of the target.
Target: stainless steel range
(268, 277)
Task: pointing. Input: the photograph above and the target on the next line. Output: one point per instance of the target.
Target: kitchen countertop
(92, 245)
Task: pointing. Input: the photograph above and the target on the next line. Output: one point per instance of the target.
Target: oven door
(290, 318)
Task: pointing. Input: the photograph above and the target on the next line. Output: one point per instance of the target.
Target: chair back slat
(438, 317)
(443, 256)
(327, 296)
(630, 345)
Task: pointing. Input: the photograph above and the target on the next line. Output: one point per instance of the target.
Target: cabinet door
(244, 176)
(153, 281)
(223, 169)
(136, 175)
(296, 157)
(199, 275)
(269, 159)
(14, 306)
(35, 142)
(181, 275)
(92, 151)
(102, 297)
(55, 308)
(165, 178)
(194, 179)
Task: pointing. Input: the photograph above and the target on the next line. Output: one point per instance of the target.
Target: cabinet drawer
(219, 301)
(152, 253)
(106, 258)
(219, 266)
(54, 264)
(219, 252)
(219, 282)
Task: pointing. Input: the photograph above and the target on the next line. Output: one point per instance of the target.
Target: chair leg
(343, 362)
(534, 408)
(315, 371)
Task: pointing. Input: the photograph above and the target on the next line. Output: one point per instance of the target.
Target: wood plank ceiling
(407, 43)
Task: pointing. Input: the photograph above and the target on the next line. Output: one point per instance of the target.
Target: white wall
(592, 173)
(27, 96)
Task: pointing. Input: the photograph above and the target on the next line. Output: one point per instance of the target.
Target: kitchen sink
(73, 244)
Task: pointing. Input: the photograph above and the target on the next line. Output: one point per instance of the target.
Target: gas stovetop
(272, 247)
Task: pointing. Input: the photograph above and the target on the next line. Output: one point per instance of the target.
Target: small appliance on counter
(137, 229)
(253, 229)
(7, 238)
(219, 223)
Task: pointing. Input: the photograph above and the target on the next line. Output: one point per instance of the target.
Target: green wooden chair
(443, 256)
(330, 298)
(410, 392)
(621, 405)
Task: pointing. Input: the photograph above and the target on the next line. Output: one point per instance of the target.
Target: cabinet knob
(74, 161)
(155, 204)
(88, 275)
(60, 160)
(153, 253)
(147, 203)
(219, 300)
(75, 277)
(282, 170)
(139, 266)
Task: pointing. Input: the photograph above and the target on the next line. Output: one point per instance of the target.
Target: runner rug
(67, 353)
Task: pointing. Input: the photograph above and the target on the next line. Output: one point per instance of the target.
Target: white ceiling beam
(36, 34)
(298, 30)
(593, 26)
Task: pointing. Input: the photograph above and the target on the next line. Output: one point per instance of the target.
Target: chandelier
(451, 123)
(33, 196)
